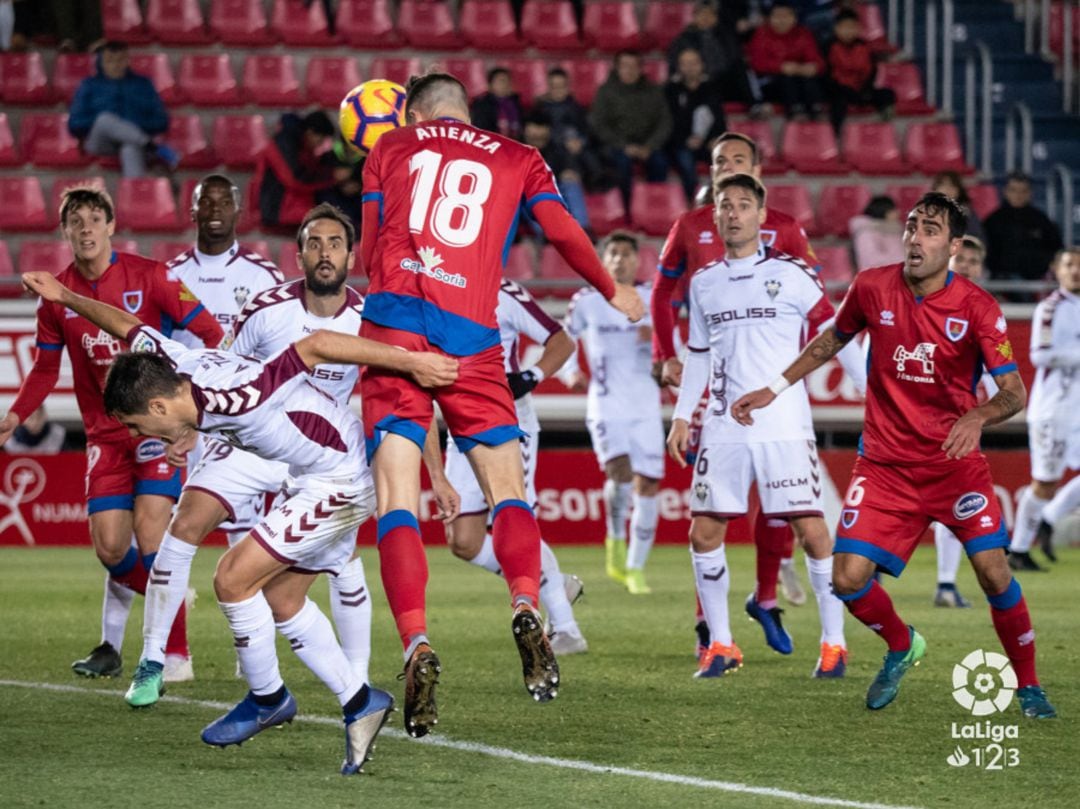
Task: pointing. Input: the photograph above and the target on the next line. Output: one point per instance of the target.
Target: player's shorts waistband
(453, 333)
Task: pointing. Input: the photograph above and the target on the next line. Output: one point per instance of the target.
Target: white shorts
(1054, 447)
(788, 475)
(237, 479)
(640, 439)
(461, 476)
(313, 529)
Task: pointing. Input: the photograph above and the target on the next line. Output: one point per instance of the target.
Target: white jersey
(752, 316)
(517, 314)
(1055, 353)
(271, 409)
(277, 317)
(223, 283)
(619, 352)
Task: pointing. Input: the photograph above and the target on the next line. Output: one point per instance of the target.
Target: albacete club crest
(772, 286)
(701, 490)
(241, 294)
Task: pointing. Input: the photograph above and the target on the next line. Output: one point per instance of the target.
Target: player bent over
(920, 458)
(748, 315)
(273, 410)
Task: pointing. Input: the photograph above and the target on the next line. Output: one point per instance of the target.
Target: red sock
(875, 609)
(403, 565)
(515, 538)
(177, 643)
(769, 538)
(1013, 625)
(134, 579)
(787, 547)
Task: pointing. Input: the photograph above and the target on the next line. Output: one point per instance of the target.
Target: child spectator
(787, 61)
(851, 72)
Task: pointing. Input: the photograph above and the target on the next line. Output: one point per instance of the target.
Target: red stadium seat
(122, 19)
(7, 266)
(471, 72)
(873, 148)
(550, 25)
(238, 139)
(810, 147)
(147, 204)
(10, 155)
(520, 263)
(395, 69)
(530, 78)
(612, 25)
(165, 250)
(873, 25)
(655, 70)
(52, 256)
(62, 184)
(240, 22)
(984, 199)
(287, 260)
(837, 204)
(665, 21)
(271, 80)
(24, 205)
(904, 79)
(836, 264)
(249, 209)
(260, 246)
(586, 76)
(934, 147)
(606, 211)
(761, 132)
(69, 71)
(428, 25)
(905, 196)
(489, 25)
(156, 67)
(48, 142)
(367, 24)
(176, 22)
(23, 79)
(329, 78)
(207, 79)
(298, 23)
(795, 201)
(553, 267)
(187, 136)
(126, 246)
(654, 206)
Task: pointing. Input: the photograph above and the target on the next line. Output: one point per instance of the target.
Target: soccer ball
(369, 110)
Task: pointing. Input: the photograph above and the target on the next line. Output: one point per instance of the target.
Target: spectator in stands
(951, 185)
(851, 72)
(290, 170)
(499, 109)
(969, 259)
(566, 167)
(697, 117)
(77, 24)
(630, 119)
(346, 171)
(117, 111)
(715, 36)
(569, 122)
(1021, 241)
(875, 234)
(787, 62)
(37, 436)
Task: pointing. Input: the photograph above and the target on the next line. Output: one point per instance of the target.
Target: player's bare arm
(115, 321)
(677, 440)
(428, 369)
(7, 427)
(671, 372)
(447, 500)
(627, 300)
(965, 434)
(818, 352)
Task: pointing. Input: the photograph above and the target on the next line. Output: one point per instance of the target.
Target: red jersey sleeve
(46, 369)
(993, 338)
(791, 239)
(371, 205)
(662, 304)
(186, 311)
(851, 318)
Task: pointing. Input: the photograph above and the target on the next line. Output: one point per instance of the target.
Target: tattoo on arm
(1008, 401)
(827, 345)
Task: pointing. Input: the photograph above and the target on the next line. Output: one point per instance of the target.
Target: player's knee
(704, 537)
(285, 606)
(109, 556)
(190, 526)
(227, 586)
(646, 487)
(992, 571)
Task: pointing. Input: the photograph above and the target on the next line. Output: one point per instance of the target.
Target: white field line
(511, 755)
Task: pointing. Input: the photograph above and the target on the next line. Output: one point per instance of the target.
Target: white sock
(553, 594)
(1028, 514)
(787, 561)
(1066, 500)
(252, 625)
(642, 530)
(115, 608)
(486, 558)
(350, 604)
(830, 608)
(713, 580)
(616, 503)
(949, 552)
(166, 587)
(312, 638)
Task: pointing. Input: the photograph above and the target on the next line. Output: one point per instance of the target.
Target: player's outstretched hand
(671, 372)
(964, 435)
(677, 440)
(43, 284)
(447, 500)
(7, 427)
(433, 370)
(754, 400)
(628, 301)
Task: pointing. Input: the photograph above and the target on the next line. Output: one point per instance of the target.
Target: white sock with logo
(312, 638)
(713, 580)
(115, 608)
(166, 588)
(830, 608)
(252, 625)
(642, 530)
(616, 503)
(350, 604)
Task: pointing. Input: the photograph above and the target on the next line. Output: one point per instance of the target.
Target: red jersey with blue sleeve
(141, 286)
(926, 357)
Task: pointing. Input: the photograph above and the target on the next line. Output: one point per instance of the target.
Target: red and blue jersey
(926, 357)
(447, 198)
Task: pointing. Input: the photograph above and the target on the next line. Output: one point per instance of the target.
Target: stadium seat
(428, 26)
(298, 23)
(260, 246)
(654, 206)
(165, 250)
(606, 211)
(550, 25)
(176, 22)
(69, 71)
(24, 204)
(810, 148)
(1056, 24)
(156, 67)
(249, 209)
(934, 147)
(553, 266)
(984, 199)
(612, 25)
(10, 154)
(761, 132)
(656, 70)
(207, 79)
(126, 246)
(873, 26)
(122, 20)
(187, 136)
(48, 142)
(44, 256)
(530, 79)
(240, 22)
(147, 204)
(395, 69)
(489, 25)
(329, 78)
(7, 266)
(367, 24)
(904, 79)
(471, 72)
(271, 80)
(905, 196)
(62, 184)
(873, 148)
(520, 263)
(23, 79)
(664, 21)
(836, 264)
(586, 76)
(238, 139)
(837, 204)
(286, 260)
(795, 201)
